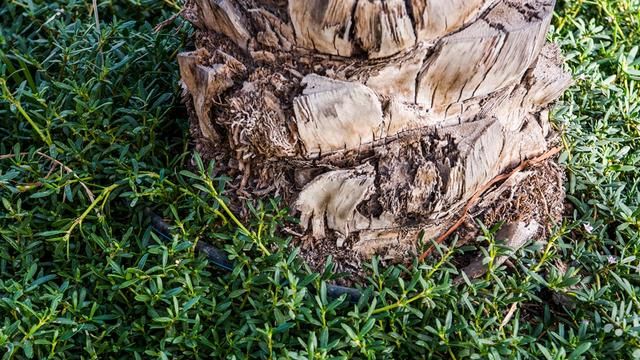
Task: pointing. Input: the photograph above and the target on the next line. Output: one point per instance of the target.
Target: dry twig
(474, 199)
(57, 163)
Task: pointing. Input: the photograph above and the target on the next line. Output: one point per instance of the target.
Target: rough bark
(375, 120)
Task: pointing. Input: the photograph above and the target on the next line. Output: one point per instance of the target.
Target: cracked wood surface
(377, 28)
(375, 120)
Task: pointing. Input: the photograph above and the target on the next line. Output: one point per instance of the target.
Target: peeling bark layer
(375, 120)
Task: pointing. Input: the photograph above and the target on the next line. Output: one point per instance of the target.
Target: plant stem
(7, 94)
(233, 217)
(103, 195)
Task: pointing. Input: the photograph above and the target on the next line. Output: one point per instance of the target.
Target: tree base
(533, 196)
(376, 140)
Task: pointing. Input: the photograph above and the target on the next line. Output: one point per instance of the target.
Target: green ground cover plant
(92, 133)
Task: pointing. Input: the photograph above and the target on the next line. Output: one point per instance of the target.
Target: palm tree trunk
(375, 120)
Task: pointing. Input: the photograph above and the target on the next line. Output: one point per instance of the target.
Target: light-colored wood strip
(492, 53)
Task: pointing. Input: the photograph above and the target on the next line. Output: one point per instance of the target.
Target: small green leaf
(581, 349)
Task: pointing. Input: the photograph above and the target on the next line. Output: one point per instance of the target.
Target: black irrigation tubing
(219, 258)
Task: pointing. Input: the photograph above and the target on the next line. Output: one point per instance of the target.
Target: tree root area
(535, 194)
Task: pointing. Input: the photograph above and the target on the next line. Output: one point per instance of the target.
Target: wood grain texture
(436, 18)
(383, 28)
(490, 54)
(324, 25)
(377, 28)
(334, 115)
(206, 82)
(225, 17)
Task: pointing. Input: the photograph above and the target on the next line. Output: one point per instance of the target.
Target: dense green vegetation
(92, 132)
